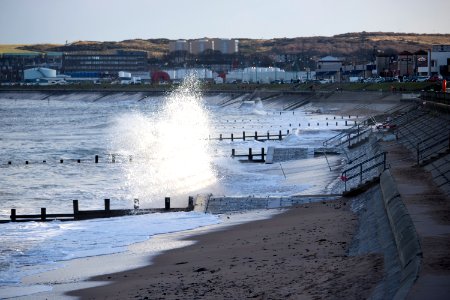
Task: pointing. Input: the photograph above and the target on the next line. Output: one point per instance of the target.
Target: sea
(148, 148)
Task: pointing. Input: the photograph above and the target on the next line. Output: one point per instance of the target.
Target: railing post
(256, 135)
(96, 159)
(190, 203)
(75, 209)
(279, 135)
(243, 135)
(107, 205)
(13, 215)
(268, 135)
(418, 153)
(250, 155)
(233, 152)
(360, 173)
(232, 137)
(262, 153)
(220, 137)
(43, 213)
(167, 203)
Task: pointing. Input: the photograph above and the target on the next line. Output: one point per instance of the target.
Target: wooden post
(268, 135)
(43, 213)
(256, 135)
(220, 137)
(167, 203)
(190, 203)
(75, 209)
(61, 161)
(232, 137)
(262, 153)
(345, 122)
(233, 152)
(136, 204)
(9, 162)
(287, 132)
(243, 135)
(78, 160)
(96, 159)
(250, 155)
(279, 135)
(13, 214)
(26, 162)
(107, 205)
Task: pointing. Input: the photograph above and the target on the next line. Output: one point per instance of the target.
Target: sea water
(168, 141)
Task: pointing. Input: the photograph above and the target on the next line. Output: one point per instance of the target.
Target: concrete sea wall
(404, 232)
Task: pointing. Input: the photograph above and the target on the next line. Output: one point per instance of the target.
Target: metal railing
(359, 170)
(431, 149)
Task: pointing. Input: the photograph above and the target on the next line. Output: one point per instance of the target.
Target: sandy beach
(299, 254)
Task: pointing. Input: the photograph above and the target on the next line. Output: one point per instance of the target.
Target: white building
(438, 58)
(38, 73)
(199, 73)
(266, 75)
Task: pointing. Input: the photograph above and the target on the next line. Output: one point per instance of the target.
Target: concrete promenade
(429, 209)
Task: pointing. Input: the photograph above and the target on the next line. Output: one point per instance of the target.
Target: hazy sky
(55, 21)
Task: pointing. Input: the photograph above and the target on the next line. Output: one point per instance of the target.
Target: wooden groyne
(107, 212)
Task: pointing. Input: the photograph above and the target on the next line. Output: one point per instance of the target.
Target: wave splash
(170, 149)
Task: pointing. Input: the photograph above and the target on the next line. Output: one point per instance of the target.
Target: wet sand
(299, 254)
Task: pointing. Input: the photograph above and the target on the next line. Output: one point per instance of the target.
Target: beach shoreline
(299, 254)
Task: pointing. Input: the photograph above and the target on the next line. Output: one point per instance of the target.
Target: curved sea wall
(404, 232)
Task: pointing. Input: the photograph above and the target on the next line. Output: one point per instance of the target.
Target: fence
(94, 214)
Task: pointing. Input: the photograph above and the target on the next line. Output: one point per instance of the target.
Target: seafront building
(222, 56)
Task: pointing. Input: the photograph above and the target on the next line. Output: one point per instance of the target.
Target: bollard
(136, 204)
(43, 213)
(279, 135)
(336, 123)
(75, 208)
(334, 117)
(268, 136)
(327, 123)
(287, 132)
(190, 203)
(107, 205)
(113, 158)
(26, 162)
(96, 159)
(9, 162)
(232, 137)
(243, 135)
(345, 122)
(256, 135)
(13, 215)
(167, 203)
(61, 161)
(250, 155)
(233, 152)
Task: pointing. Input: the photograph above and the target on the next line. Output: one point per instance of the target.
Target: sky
(58, 21)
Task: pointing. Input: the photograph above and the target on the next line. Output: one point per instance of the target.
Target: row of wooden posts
(96, 160)
(107, 212)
